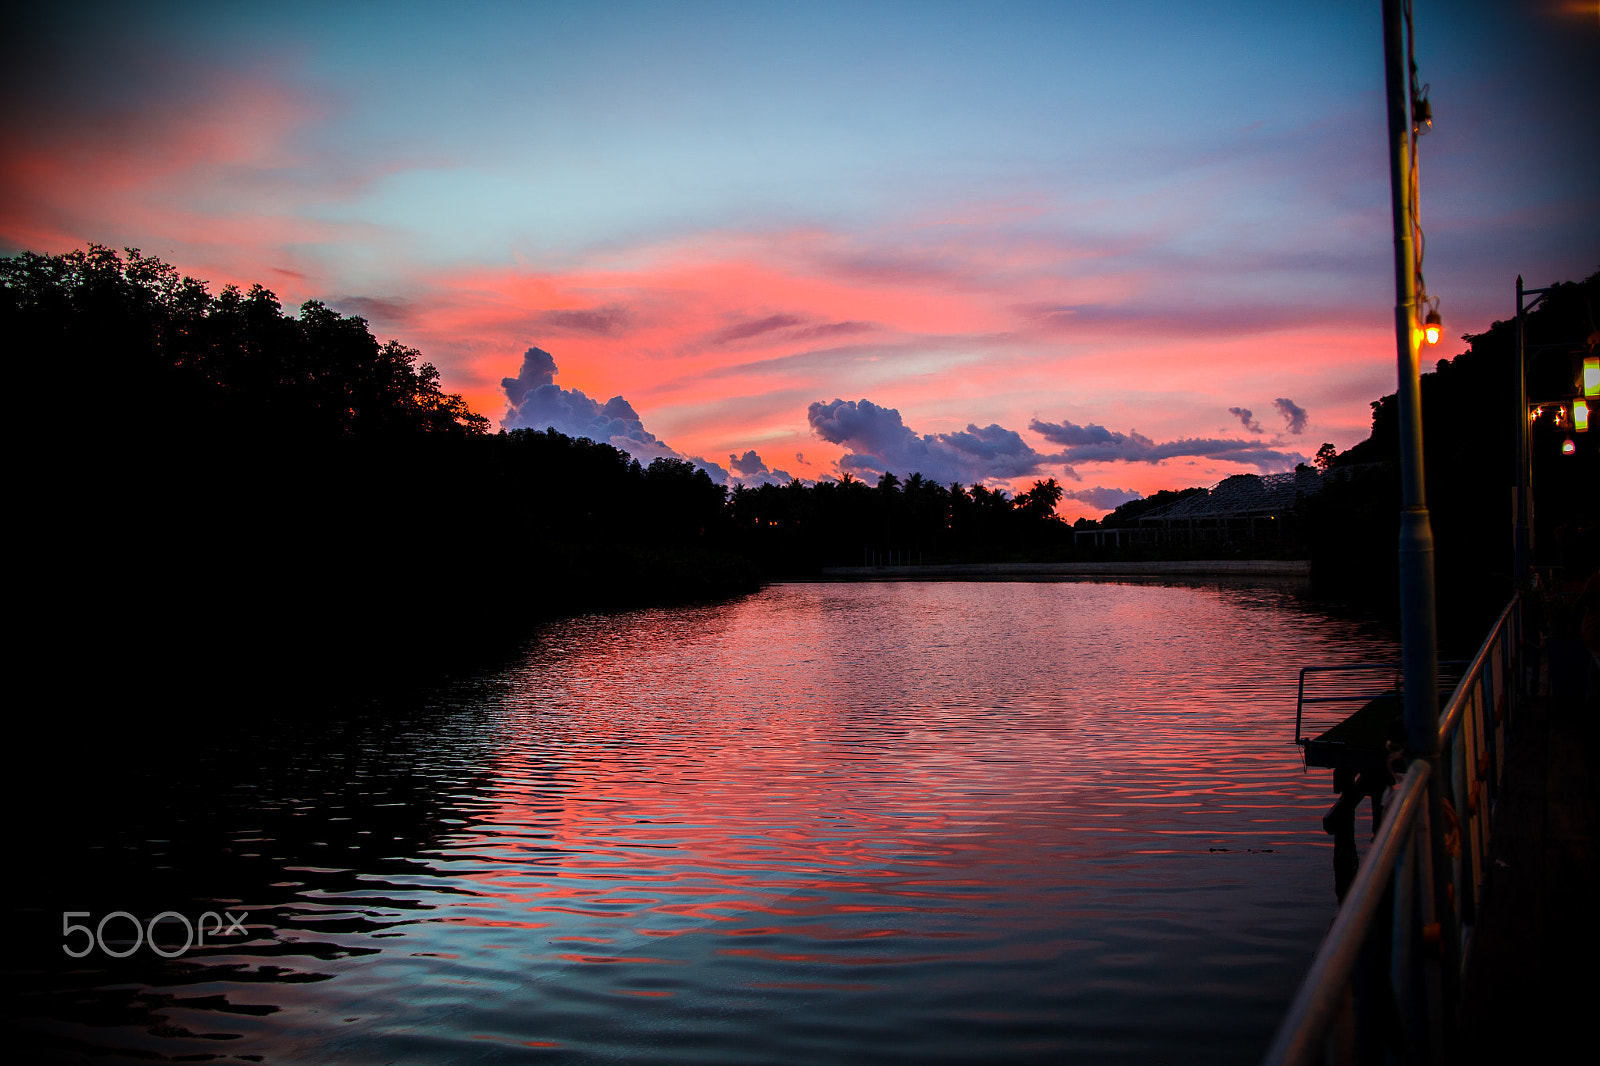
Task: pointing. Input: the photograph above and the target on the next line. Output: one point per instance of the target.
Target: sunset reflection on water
(880, 822)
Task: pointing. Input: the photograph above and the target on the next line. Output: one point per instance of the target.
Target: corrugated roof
(1242, 495)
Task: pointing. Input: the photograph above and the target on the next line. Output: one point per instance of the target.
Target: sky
(1131, 246)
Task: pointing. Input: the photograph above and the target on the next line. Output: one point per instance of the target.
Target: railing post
(1430, 962)
(1374, 998)
(1404, 945)
(1461, 795)
(1492, 709)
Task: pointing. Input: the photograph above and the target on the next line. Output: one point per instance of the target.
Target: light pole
(1523, 516)
(1419, 652)
(1418, 627)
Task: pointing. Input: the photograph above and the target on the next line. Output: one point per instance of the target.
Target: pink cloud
(210, 169)
(722, 343)
(719, 340)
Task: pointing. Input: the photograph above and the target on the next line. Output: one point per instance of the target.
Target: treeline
(796, 528)
(245, 496)
(166, 360)
(240, 493)
(263, 503)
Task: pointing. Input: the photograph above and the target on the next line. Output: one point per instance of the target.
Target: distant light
(1591, 375)
(1568, 446)
(1432, 326)
(1580, 416)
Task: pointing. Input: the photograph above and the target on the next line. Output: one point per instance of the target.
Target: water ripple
(901, 822)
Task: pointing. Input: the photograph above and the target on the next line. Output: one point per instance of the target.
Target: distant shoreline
(1144, 568)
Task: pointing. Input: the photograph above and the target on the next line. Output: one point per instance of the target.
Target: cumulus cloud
(1294, 416)
(1102, 498)
(713, 470)
(878, 442)
(537, 402)
(1092, 443)
(1246, 418)
(749, 470)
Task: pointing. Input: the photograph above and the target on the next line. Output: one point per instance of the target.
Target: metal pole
(1523, 520)
(1419, 654)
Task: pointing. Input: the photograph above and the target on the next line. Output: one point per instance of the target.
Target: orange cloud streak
(722, 345)
(719, 339)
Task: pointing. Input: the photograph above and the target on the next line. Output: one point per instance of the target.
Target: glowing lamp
(1568, 446)
(1580, 416)
(1591, 375)
(1432, 326)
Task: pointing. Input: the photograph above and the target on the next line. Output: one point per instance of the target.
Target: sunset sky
(1132, 246)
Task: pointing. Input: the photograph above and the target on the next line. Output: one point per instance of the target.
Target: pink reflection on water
(988, 822)
(827, 765)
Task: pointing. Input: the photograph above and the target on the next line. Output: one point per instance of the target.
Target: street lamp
(1571, 415)
(1419, 628)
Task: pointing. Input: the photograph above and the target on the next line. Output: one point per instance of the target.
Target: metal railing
(1385, 985)
(1343, 673)
(1346, 675)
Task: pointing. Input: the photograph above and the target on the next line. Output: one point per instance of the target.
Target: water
(920, 823)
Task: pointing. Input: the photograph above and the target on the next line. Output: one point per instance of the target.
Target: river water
(912, 822)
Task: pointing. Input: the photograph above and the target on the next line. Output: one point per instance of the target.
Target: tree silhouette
(177, 360)
(1039, 502)
(1470, 428)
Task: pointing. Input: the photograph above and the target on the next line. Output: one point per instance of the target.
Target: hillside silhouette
(1470, 422)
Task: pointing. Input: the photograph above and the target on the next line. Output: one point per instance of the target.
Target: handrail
(1366, 967)
(1303, 701)
(1450, 717)
(1322, 992)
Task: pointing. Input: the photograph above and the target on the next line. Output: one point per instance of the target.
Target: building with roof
(1242, 509)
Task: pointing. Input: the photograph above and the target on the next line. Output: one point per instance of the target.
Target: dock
(1467, 933)
(1533, 977)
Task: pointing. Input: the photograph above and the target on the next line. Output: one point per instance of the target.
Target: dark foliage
(258, 509)
(281, 504)
(274, 505)
(168, 361)
(796, 528)
(1470, 425)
